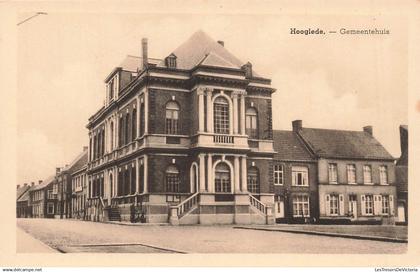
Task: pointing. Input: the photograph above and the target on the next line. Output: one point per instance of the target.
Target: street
(84, 236)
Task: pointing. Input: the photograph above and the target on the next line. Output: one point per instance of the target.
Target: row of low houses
(188, 139)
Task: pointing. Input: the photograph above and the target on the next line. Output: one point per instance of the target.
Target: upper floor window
(126, 129)
(300, 176)
(332, 173)
(367, 174)
(351, 173)
(253, 180)
(222, 178)
(251, 121)
(278, 174)
(111, 143)
(111, 86)
(383, 174)
(171, 61)
(172, 179)
(172, 116)
(134, 125)
(221, 115)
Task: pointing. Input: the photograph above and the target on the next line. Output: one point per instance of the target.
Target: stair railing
(186, 205)
(258, 204)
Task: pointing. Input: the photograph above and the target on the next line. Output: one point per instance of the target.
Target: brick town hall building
(185, 140)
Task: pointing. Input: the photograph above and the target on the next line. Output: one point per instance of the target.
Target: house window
(50, 208)
(134, 125)
(172, 115)
(299, 176)
(50, 194)
(171, 61)
(127, 125)
(385, 204)
(142, 119)
(221, 115)
(353, 205)
(120, 131)
(367, 174)
(222, 178)
(112, 136)
(172, 179)
(253, 180)
(332, 173)
(351, 173)
(278, 174)
(369, 204)
(383, 174)
(133, 180)
(251, 121)
(333, 204)
(111, 89)
(300, 206)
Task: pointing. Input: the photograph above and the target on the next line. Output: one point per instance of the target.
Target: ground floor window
(352, 205)
(50, 208)
(253, 181)
(172, 179)
(333, 204)
(369, 204)
(222, 178)
(385, 204)
(301, 206)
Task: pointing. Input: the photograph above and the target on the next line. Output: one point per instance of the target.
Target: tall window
(332, 173)
(111, 89)
(351, 173)
(142, 119)
(112, 135)
(333, 204)
(120, 131)
(134, 125)
(367, 174)
(300, 206)
(222, 178)
(133, 180)
(172, 115)
(278, 174)
(126, 130)
(369, 204)
(385, 204)
(253, 180)
(383, 174)
(50, 208)
(299, 176)
(172, 179)
(251, 123)
(221, 115)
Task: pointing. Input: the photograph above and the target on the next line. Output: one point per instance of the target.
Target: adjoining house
(79, 185)
(356, 175)
(402, 177)
(295, 180)
(186, 139)
(42, 199)
(22, 201)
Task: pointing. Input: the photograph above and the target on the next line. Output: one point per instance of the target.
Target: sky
(328, 81)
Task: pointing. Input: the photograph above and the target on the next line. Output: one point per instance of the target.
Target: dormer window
(112, 88)
(171, 61)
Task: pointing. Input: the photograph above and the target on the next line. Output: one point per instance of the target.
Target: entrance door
(401, 212)
(279, 209)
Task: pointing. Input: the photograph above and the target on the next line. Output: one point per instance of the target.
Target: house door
(353, 205)
(279, 209)
(401, 212)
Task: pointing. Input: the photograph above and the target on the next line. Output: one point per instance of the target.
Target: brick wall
(263, 107)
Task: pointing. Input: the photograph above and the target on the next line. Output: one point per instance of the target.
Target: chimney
(297, 125)
(32, 183)
(368, 129)
(85, 148)
(25, 184)
(404, 138)
(39, 181)
(144, 52)
(57, 170)
(247, 68)
(222, 43)
(18, 186)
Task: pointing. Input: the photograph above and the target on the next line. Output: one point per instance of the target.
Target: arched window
(253, 180)
(134, 125)
(194, 178)
(112, 136)
(222, 178)
(251, 123)
(172, 179)
(221, 115)
(120, 131)
(172, 114)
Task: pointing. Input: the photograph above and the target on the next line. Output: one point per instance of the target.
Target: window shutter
(363, 204)
(327, 205)
(341, 204)
(391, 204)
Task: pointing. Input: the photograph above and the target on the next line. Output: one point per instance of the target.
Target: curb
(332, 234)
(67, 249)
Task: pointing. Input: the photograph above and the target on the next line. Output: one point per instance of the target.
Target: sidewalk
(394, 234)
(25, 243)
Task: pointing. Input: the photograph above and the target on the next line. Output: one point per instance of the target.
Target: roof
(401, 175)
(44, 183)
(22, 190)
(202, 49)
(78, 163)
(24, 197)
(133, 63)
(403, 160)
(289, 147)
(328, 143)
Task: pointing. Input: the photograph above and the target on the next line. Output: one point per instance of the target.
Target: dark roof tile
(289, 147)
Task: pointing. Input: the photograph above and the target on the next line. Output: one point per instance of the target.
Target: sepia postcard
(238, 133)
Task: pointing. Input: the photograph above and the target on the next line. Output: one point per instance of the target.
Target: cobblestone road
(193, 239)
